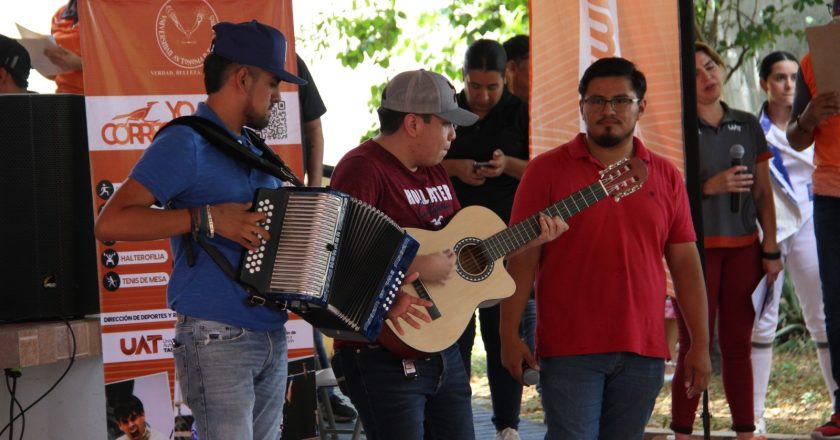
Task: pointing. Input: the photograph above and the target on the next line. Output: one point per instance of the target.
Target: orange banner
(643, 31)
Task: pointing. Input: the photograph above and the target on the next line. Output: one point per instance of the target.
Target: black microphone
(736, 152)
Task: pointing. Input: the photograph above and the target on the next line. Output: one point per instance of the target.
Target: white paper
(761, 297)
(36, 44)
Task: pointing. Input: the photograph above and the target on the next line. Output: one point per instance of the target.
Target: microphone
(736, 152)
(530, 376)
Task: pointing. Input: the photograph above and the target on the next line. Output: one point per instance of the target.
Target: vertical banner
(644, 31)
(143, 67)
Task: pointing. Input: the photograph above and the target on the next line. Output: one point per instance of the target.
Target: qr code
(277, 129)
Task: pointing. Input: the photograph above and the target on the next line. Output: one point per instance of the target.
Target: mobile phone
(478, 165)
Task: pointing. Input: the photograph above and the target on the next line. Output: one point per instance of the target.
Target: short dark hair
(390, 120)
(217, 69)
(614, 66)
(766, 66)
(485, 55)
(128, 407)
(517, 48)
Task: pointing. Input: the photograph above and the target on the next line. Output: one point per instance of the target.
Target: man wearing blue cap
(230, 356)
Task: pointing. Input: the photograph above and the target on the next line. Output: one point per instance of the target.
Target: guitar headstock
(624, 177)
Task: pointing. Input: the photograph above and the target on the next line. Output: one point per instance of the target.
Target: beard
(609, 138)
(257, 121)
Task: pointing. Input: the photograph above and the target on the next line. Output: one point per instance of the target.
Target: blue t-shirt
(182, 168)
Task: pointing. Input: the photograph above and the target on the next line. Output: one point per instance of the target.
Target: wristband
(195, 222)
(771, 255)
(210, 230)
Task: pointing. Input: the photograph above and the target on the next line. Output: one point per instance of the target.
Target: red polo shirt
(600, 286)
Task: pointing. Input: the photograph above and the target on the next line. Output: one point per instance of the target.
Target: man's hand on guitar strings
(404, 308)
(436, 267)
(550, 228)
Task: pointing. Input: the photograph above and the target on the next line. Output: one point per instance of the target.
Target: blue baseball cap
(254, 44)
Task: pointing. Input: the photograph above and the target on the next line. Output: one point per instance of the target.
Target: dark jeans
(606, 396)
(505, 392)
(827, 231)
(436, 404)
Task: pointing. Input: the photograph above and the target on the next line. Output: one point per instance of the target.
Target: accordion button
(262, 248)
(271, 207)
(251, 271)
(257, 268)
(270, 213)
(260, 255)
(268, 220)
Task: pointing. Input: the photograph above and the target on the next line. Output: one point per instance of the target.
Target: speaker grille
(48, 249)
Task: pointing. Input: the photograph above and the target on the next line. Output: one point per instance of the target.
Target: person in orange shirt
(815, 118)
(65, 30)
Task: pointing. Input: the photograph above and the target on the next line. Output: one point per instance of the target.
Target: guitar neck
(516, 236)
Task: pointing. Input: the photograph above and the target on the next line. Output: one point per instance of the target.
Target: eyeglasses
(618, 104)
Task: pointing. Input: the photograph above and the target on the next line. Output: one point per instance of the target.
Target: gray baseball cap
(425, 93)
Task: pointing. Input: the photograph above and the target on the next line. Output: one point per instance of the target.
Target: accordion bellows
(332, 259)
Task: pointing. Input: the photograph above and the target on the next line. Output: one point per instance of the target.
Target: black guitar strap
(269, 163)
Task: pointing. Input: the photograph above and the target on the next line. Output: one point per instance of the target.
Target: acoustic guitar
(480, 242)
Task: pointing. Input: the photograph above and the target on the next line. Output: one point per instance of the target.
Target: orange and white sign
(644, 31)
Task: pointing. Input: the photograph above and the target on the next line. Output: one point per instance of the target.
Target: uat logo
(184, 30)
(149, 344)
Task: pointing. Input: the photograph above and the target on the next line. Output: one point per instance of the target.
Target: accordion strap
(253, 298)
(269, 163)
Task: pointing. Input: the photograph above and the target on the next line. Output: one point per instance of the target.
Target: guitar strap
(269, 163)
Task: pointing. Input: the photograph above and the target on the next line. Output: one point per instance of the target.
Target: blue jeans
(433, 405)
(233, 379)
(827, 231)
(599, 396)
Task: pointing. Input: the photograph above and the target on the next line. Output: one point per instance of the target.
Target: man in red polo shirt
(600, 286)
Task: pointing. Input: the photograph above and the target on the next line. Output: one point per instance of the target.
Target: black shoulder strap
(269, 162)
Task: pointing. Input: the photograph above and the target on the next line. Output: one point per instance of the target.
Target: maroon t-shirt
(414, 199)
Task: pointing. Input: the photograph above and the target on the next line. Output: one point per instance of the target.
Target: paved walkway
(484, 429)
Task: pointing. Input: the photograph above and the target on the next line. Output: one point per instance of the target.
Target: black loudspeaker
(47, 246)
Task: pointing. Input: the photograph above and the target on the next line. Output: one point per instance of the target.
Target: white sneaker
(760, 426)
(507, 434)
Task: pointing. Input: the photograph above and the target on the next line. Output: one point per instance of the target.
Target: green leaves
(373, 32)
(744, 29)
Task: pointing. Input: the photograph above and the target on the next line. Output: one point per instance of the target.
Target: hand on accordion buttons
(237, 222)
(404, 308)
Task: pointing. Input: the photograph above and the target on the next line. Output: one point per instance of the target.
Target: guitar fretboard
(514, 237)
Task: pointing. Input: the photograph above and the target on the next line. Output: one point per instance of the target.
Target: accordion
(330, 258)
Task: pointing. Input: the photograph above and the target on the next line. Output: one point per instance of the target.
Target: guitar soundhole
(472, 262)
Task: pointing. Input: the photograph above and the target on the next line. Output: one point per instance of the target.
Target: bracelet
(210, 230)
(800, 127)
(771, 255)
